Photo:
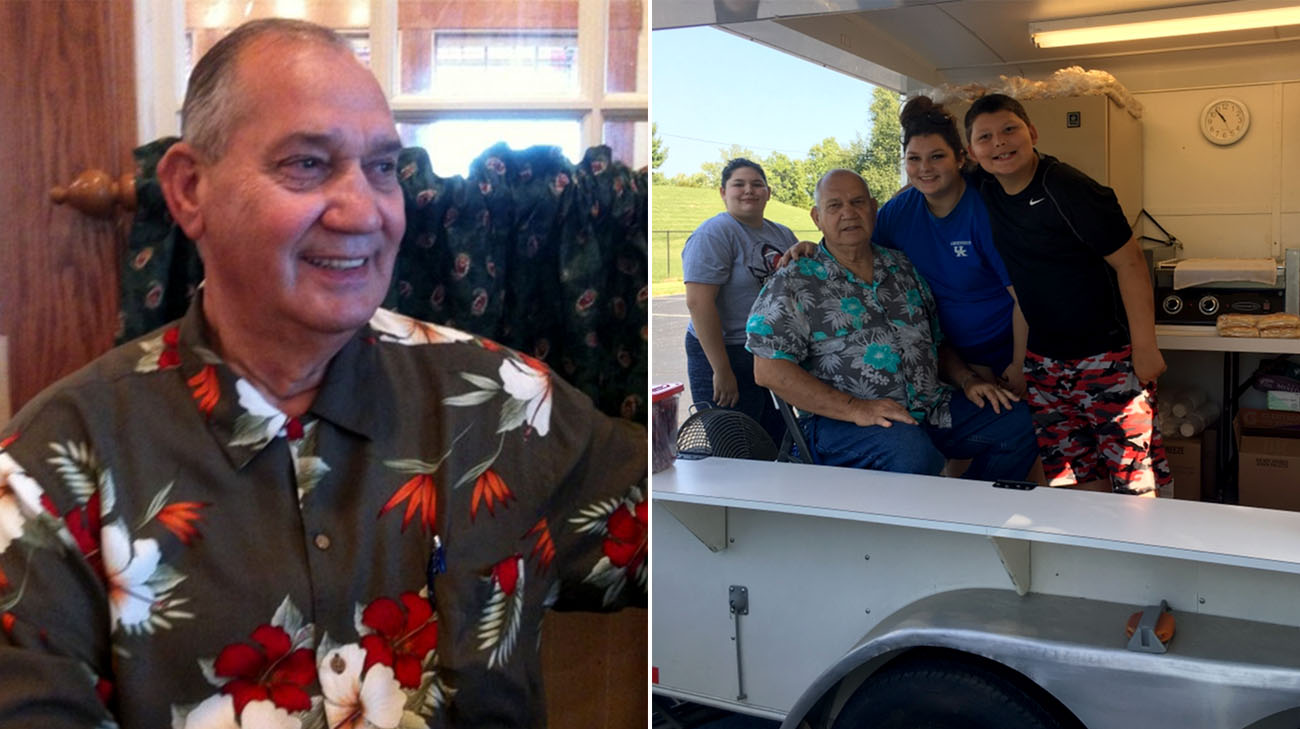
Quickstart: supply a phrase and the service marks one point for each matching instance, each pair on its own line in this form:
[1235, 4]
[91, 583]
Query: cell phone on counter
[1004, 483]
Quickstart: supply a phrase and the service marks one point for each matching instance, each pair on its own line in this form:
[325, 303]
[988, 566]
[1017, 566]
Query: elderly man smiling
[849, 334]
[291, 509]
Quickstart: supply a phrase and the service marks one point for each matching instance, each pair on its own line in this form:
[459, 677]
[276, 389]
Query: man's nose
[353, 205]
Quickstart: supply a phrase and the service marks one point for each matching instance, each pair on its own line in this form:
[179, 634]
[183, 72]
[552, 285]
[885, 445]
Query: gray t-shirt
[725, 252]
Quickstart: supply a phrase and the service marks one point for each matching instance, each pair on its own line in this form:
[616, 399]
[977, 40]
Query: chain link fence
[666, 251]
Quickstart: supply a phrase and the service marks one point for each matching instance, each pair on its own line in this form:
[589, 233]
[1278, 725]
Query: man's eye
[303, 166]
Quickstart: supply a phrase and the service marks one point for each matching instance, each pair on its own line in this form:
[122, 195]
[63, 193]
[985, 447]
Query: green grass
[667, 287]
[677, 211]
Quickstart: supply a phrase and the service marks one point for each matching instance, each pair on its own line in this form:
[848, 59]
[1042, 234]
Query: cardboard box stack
[1268, 470]
[1193, 463]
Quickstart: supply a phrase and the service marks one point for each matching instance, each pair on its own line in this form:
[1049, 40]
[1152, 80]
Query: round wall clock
[1224, 121]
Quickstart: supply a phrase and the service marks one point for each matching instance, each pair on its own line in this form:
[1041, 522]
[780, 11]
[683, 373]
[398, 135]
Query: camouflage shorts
[1095, 421]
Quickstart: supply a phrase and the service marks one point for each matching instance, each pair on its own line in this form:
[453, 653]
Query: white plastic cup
[1188, 401]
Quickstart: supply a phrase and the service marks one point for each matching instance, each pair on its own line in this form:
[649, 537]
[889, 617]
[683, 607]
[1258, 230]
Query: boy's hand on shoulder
[1148, 364]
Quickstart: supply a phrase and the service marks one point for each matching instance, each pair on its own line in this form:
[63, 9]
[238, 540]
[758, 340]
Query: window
[454, 143]
[460, 74]
[523, 64]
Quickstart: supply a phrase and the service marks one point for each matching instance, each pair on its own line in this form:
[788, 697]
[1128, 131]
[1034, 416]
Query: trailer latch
[1151, 629]
[738, 602]
[738, 599]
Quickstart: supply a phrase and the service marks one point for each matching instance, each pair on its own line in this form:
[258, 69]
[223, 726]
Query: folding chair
[794, 447]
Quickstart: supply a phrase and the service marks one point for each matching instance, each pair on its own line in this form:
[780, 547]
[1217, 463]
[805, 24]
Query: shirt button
[322, 541]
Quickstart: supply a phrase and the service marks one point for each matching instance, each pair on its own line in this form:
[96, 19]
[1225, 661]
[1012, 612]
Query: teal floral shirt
[873, 340]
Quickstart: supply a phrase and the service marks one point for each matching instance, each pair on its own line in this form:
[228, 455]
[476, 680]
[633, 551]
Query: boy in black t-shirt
[1082, 282]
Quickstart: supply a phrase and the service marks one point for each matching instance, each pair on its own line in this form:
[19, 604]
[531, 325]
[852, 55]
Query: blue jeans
[1000, 445]
[754, 401]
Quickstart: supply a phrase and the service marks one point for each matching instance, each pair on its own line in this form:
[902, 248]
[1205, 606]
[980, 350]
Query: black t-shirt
[1053, 237]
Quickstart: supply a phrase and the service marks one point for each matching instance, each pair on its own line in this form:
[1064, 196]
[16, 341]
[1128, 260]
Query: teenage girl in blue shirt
[941, 223]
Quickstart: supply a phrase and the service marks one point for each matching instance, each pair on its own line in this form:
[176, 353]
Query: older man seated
[850, 334]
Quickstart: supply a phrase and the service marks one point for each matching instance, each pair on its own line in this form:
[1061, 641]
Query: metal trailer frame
[778, 589]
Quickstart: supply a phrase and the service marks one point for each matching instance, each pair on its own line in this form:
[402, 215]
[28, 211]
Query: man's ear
[1033, 134]
[178, 175]
[813, 212]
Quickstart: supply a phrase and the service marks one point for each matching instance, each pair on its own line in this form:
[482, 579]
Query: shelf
[1190, 337]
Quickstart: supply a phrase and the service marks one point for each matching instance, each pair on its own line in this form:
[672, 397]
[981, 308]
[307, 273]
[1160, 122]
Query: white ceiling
[915, 44]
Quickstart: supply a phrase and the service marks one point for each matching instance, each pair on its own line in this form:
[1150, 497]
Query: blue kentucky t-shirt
[956, 256]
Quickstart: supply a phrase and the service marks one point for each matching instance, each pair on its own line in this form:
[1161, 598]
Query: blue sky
[717, 87]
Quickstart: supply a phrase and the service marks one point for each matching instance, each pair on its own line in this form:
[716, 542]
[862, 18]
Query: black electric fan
[722, 432]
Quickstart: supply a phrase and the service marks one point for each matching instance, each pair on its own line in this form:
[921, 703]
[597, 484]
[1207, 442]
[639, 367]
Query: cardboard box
[1192, 461]
[1282, 400]
[1278, 423]
[1268, 472]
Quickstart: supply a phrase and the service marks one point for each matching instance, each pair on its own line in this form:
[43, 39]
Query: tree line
[877, 158]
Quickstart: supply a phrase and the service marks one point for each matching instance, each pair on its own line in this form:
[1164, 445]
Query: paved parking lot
[668, 319]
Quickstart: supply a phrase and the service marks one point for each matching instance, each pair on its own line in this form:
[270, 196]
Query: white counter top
[1202, 532]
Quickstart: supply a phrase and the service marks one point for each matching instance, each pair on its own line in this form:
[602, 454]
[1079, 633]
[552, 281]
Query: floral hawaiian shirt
[174, 551]
[876, 340]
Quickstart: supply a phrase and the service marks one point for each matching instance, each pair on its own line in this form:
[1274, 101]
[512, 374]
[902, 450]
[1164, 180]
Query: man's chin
[335, 317]
[854, 238]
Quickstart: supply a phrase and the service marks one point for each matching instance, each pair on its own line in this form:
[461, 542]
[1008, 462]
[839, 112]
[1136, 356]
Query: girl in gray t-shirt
[724, 264]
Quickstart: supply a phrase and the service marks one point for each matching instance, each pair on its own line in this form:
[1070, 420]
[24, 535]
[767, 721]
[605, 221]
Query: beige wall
[1241, 200]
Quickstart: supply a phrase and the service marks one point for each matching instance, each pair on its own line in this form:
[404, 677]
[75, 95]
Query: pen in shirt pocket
[437, 565]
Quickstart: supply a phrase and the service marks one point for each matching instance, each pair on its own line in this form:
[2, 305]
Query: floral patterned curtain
[542, 255]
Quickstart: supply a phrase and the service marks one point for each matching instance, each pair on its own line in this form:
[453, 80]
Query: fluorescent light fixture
[1186, 20]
